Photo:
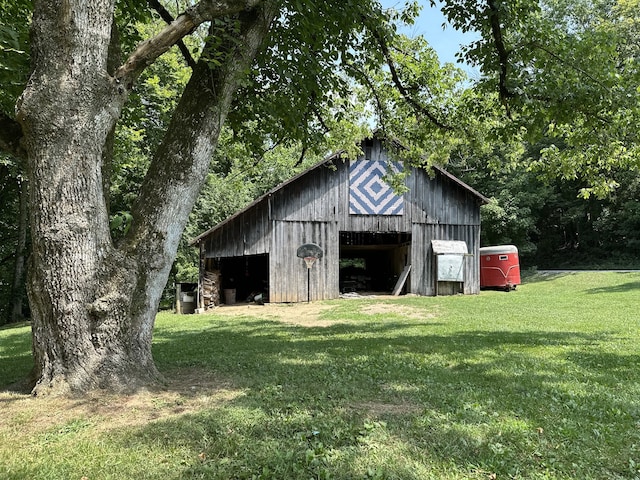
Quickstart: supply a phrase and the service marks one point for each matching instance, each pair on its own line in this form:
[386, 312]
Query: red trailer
[499, 267]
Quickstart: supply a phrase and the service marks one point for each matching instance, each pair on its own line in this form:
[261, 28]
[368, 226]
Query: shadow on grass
[543, 276]
[622, 288]
[392, 400]
[13, 326]
[498, 402]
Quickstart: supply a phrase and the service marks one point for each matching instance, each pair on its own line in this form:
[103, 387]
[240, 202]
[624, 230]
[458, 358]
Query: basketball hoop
[309, 261]
[309, 252]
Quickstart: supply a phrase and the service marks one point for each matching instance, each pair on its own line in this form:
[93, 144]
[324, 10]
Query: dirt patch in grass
[186, 391]
[303, 314]
[310, 314]
[395, 309]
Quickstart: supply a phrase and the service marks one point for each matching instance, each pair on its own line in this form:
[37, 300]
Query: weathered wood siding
[288, 273]
[439, 200]
[248, 233]
[312, 197]
[423, 275]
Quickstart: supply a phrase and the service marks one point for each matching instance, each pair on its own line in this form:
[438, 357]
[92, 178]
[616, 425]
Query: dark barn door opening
[372, 262]
[248, 275]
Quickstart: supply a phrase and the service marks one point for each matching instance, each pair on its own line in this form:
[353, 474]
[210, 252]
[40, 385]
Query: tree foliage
[14, 51]
[567, 71]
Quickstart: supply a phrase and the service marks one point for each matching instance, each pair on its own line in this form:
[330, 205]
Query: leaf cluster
[302, 85]
[566, 71]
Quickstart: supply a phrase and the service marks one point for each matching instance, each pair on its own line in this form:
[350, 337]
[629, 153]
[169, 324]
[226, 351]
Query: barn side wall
[249, 233]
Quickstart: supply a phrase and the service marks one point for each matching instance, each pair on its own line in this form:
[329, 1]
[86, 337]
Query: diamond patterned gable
[369, 194]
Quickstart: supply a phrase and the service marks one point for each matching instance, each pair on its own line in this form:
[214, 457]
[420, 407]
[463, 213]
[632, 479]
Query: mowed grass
[540, 383]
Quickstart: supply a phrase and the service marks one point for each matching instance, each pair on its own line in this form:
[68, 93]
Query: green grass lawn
[540, 383]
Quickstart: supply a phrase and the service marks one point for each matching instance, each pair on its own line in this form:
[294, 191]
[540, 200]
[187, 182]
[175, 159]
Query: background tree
[567, 71]
[14, 47]
[13, 241]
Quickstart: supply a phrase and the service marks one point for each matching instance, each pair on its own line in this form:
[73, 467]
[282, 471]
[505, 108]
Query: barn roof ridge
[330, 158]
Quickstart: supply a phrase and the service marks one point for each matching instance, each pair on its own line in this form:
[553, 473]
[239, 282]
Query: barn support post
[178, 298]
[199, 291]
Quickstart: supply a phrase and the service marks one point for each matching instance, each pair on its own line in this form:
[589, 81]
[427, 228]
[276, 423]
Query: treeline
[554, 227]
[13, 243]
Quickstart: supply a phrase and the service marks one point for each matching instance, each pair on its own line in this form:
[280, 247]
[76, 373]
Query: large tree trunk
[94, 303]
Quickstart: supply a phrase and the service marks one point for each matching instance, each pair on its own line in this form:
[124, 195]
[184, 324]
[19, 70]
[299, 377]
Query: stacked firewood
[211, 289]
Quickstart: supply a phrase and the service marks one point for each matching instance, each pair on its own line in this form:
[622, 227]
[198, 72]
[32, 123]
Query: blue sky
[446, 42]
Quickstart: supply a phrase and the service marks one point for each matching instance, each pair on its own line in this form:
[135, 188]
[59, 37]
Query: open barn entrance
[247, 276]
[372, 262]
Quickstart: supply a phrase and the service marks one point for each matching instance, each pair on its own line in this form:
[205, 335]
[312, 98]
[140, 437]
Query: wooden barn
[424, 241]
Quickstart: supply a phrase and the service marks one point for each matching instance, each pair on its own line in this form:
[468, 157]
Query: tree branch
[258, 157]
[179, 165]
[503, 53]
[384, 47]
[572, 65]
[372, 88]
[10, 135]
[167, 17]
[317, 113]
[301, 157]
[148, 51]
